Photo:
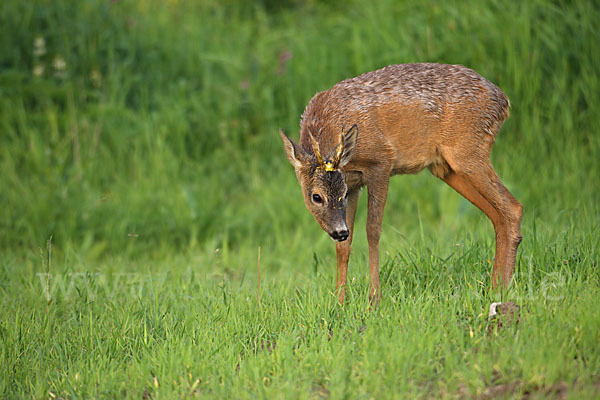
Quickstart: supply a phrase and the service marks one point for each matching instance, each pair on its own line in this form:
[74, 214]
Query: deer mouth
[340, 235]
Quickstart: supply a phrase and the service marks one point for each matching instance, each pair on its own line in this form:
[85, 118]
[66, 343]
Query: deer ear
[294, 153]
[350, 140]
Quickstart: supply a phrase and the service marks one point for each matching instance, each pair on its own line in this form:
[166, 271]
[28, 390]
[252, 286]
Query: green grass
[139, 180]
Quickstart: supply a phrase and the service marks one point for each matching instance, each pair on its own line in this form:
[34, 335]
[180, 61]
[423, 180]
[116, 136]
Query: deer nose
[340, 235]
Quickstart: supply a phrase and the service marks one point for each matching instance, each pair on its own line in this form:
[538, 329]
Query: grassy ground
[142, 170]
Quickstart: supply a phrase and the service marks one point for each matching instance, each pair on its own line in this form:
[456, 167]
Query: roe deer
[400, 120]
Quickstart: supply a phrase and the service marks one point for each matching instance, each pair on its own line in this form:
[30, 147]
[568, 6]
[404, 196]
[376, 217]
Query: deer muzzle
[340, 234]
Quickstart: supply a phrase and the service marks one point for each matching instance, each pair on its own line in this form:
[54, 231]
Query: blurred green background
[141, 169]
[150, 127]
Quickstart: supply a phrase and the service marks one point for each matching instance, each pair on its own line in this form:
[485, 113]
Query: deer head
[325, 192]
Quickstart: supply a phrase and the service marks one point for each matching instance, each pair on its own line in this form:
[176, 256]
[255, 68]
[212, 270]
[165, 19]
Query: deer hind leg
[343, 248]
[483, 188]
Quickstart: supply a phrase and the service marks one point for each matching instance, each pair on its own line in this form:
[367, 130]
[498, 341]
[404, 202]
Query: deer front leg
[377, 196]
[343, 248]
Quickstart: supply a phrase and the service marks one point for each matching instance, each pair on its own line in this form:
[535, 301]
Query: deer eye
[346, 195]
[317, 199]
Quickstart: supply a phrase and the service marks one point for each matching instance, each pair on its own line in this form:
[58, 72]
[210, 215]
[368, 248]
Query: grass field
[142, 171]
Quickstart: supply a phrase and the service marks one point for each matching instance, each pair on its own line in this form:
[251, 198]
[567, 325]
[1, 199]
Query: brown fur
[409, 117]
